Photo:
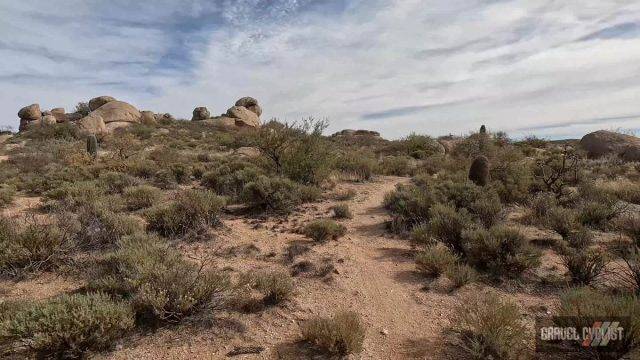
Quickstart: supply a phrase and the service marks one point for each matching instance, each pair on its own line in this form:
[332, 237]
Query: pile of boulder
[244, 114]
[359, 133]
[608, 143]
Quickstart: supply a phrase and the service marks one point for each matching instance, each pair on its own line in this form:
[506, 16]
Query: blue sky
[551, 68]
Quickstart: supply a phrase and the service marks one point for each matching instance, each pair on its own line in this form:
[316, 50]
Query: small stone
[384, 332]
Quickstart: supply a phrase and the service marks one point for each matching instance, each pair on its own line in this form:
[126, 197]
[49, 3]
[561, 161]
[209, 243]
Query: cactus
[483, 129]
[92, 146]
[479, 171]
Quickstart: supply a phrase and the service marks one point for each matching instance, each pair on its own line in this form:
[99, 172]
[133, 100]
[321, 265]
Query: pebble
[384, 332]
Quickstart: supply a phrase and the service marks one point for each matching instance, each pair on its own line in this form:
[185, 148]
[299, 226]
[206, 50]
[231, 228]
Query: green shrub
[345, 195]
[598, 214]
[541, 204]
[324, 230]
[435, 260]
[35, 247]
[447, 225]
[395, 165]
[582, 306]
[584, 265]
[161, 285]
[65, 327]
[143, 168]
[75, 195]
[488, 210]
[501, 251]
[420, 234]
[357, 166]
[115, 182]
[100, 226]
[141, 196]
[409, 205]
[561, 220]
[275, 287]
[279, 195]
[490, 328]
[7, 193]
[461, 274]
[512, 181]
[191, 210]
[342, 211]
[342, 334]
[421, 146]
[229, 180]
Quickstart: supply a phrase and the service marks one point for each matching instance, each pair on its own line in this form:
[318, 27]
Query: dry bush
[561, 220]
[490, 328]
[141, 196]
[420, 146]
[345, 195]
[461, 274]
[512, 181]
[500, 251]
[67, 326]
[279, 195]
[584, 265]
[324, 230]
[191, 210]
[100, 226]
[342, 211]
[33, 247]
[420, 234]
[343, 333]
[446, 225]
[409, 205]
[7, 194]
[557, 170]
[435, 260]
[229, 179]
[396, 166]
[584, 305]
[115, 182]
[357, 166]
[629, 252]
[161, 285]
[274, 288]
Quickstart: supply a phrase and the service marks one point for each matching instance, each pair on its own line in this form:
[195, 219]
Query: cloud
[395, 66]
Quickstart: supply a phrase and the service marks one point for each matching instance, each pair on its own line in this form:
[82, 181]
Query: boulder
[59, 114]
[222, 122]
[351, 132]
[112, 126]
[164, 117]
[602, 143]
[200, 113]
[251, 104]
[148, 118]
[244, 116]
[97, 102]
[117, 111]
[73, 116]
[31, 112]
[92, 125]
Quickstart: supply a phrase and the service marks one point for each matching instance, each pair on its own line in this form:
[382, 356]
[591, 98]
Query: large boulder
[251, 104]
[358, 133]
[200, 113]
[31, 112]
[117, 111]
[48, 120]
[244, 117]
[148, 118]
[602, 143]
[92, 125]
[97, 102]
[222, 122]
[59, 114]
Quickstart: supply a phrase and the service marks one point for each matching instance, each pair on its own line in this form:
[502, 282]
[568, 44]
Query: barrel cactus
[483, 129]
[92, 146]
[479, 171]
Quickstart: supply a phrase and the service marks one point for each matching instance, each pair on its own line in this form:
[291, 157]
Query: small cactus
[483, 129]
[479, 171]
[92, 146]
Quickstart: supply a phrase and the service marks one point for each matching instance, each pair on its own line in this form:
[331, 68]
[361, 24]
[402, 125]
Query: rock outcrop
[200, 113]
[251, 104]
[110, 116]
[59, 114]
[244, 117]
[351, 132]
[604, 143]
[97, 102]
[28, 115]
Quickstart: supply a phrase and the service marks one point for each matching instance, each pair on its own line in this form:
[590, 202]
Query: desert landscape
[128, 234]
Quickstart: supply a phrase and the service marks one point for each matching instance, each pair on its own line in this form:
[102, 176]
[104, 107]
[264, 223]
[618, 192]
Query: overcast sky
[547, 67]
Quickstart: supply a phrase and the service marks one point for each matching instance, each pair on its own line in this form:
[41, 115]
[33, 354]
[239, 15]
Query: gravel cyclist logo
[566, 334]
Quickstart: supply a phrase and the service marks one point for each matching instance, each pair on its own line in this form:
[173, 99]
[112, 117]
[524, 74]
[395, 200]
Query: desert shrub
[141, 196]
[421, 146]
[557, 170]
[435, 260]
[230, 179]
[420, 234]
[584, 265]
[67, 326]
[274, 287]
[115, 182]
[160, 284]
[561, 220]
[582, 306]
[143, 168]
[409, 205]
[598, 214]
[34, 247]
[63, 131]
[277, 194]
[395, 165]
[490, 327]
[77, 194]
[83, 108]
[192, 209]
[102, 227]
[500, 251]
[474, 145]
[164, 179]
[541, 204]
[628, 191]
[580, 239]
[342, 334]
[512, 181]
[356, 166]
[629, 251]
[487, 209]
[7, 193]
[324, 230]
[460, 274]
[342, 211]
[447, 224]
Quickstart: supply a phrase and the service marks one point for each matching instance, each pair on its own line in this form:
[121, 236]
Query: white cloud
[395, 66]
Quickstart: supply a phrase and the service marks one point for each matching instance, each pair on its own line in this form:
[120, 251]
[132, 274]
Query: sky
[550, 68]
